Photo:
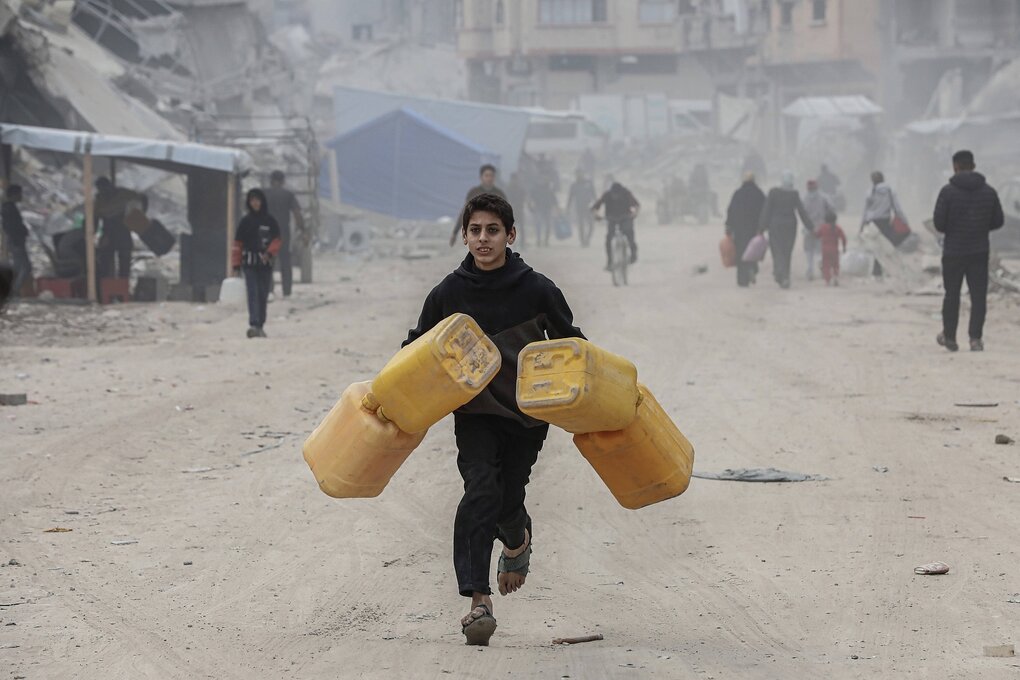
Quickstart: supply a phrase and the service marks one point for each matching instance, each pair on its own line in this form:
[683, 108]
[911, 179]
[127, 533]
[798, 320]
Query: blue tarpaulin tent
[404, 165]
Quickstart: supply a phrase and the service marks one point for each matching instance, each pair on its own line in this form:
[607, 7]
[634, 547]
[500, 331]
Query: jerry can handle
[370, 403]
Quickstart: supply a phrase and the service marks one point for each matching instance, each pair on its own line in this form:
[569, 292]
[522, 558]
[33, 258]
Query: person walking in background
[882, 208]
[817, 206]
[486, 185]
[699, 187]
[830, 236]
[621, 209]
[966, 210]
[16, 234]
[543, 207]
[282, 205]
[112, 205]
[256, 243]
[579, 200]
[742, 217]
[779, 219]
[828, 184]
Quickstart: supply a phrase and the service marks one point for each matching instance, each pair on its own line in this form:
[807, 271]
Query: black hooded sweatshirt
[257, 234]
[966, 210]
[515, 306]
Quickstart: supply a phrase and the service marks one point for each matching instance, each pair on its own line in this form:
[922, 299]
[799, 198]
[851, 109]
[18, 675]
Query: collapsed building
[189, 70]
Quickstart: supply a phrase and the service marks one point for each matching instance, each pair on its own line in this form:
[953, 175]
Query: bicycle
[619, 253]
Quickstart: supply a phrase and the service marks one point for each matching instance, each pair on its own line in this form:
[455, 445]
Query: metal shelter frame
[170, 156]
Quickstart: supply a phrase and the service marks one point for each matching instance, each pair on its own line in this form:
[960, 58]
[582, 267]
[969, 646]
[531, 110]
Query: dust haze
[780, 276]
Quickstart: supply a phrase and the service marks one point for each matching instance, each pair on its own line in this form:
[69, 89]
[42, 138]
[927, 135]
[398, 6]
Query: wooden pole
[334, 178]
[90, 227]
[231, 218]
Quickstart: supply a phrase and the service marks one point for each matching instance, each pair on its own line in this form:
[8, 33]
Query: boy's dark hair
[830, 216]
[14, 192]
[964, 159]
[484, 168]
[877, 177]
[488, 203]
[277, 176]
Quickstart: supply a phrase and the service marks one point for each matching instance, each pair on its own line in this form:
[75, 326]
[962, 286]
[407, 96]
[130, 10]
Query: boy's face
[487, 239]
[488, 178]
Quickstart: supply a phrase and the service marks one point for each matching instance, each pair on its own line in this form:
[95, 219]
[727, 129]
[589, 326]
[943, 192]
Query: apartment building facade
[548, 52]
[956, 43]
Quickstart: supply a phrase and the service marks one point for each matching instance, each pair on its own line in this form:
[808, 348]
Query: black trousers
[115, 242]
[954, 270]
[627, 227]
[495, 456]
[22, 268]
[781, 240]
[258, 281]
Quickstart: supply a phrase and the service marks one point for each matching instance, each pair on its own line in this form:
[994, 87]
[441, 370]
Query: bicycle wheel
[620, 259]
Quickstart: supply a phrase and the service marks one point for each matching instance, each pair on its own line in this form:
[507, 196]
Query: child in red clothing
[831, 235]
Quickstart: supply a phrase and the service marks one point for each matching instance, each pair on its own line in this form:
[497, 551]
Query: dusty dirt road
[163, 426]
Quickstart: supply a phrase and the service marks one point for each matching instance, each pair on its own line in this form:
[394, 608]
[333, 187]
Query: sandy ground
[163, 426]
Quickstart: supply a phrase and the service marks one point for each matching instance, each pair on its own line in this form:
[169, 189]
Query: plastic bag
[856, 263]
[756, 249]
[561, 227]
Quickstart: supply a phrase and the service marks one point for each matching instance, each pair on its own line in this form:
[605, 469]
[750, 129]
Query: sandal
[481, 628]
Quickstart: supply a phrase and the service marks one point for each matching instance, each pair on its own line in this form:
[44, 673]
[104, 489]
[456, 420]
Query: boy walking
[497, 444]
[256, 243]
[830, 236]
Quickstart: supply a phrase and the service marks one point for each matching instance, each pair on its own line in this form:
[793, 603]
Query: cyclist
[621, 209]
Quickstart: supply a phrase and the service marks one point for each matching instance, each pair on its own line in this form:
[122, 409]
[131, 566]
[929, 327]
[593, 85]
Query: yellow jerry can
[436, 374]
[577, 386]
[648, 461]
[353, 453]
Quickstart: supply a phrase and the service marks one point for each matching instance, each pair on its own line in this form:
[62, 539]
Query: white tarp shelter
[166, 155]
[832, 107]
[156, 152]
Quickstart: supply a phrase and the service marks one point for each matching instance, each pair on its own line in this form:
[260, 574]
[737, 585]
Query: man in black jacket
[497, 444]
[17, 235]
[967, 209]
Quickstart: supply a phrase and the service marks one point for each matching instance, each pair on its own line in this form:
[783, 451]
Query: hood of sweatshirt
[504, 277]
[257, 193]
[968, 181]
